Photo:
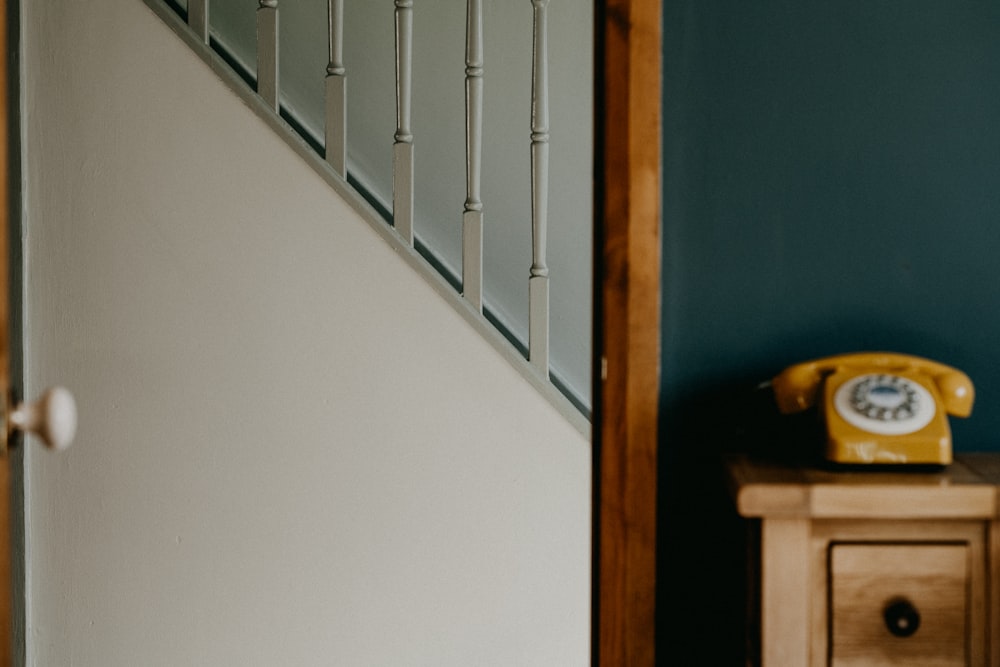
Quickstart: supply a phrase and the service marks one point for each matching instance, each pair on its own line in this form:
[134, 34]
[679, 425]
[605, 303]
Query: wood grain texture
[785, 618]
[866, 578]
[771, 489]
[830, 562]
[993, 597]
[914, 533]
[627, 319]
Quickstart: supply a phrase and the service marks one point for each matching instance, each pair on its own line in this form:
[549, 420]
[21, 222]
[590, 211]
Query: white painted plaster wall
[291, 451]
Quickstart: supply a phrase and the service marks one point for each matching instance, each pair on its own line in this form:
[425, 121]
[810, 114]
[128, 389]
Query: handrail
[331, 163]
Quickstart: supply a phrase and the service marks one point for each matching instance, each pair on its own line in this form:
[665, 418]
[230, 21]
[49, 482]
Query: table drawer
[899, 604]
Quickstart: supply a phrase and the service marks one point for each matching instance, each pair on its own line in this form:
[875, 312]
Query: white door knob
[52, 418]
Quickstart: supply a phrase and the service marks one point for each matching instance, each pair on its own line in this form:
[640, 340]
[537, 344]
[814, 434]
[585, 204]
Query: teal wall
[831, 184]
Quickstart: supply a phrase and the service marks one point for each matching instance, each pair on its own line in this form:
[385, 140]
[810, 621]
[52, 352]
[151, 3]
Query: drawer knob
[901, 617]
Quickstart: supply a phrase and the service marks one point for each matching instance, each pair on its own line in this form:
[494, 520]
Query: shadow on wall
[702, 542]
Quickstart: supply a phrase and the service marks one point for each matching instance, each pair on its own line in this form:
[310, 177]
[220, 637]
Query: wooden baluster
[538, 283]
[402, 149]
[198, 18]
[267, 52]
[472, 218]
[336, 91]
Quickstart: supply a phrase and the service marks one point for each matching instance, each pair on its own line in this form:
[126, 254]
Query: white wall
[291, 451]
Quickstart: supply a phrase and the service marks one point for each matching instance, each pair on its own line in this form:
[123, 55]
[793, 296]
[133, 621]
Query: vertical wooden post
[627, 326]
[336, 91]
[993, 601]
[198, 18]
[472, 218]
[267, 52]
[402, 148]
[538, 283]
[785, 613]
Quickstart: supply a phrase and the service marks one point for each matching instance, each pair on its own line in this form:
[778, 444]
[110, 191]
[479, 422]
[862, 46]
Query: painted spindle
[198, 18]
[472, 218]
[402, 148]
[538, 283]
[336, 91]
[267, 52]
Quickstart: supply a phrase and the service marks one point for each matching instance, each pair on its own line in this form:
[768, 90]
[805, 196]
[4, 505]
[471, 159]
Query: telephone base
[914, 468]
[930, 446]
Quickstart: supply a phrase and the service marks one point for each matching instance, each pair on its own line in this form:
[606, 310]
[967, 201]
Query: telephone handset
[879, 407]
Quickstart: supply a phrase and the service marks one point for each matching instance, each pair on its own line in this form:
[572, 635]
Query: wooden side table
[873, 568]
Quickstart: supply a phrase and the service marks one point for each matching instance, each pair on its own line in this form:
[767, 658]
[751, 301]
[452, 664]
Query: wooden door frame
[628, 36]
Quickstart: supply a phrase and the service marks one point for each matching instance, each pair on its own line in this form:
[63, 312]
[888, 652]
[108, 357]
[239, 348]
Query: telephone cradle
[879, 407]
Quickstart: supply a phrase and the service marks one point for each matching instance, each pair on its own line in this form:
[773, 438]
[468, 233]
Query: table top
[969, 488]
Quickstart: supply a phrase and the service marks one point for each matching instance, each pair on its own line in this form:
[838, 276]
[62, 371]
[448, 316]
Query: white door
[53, 417]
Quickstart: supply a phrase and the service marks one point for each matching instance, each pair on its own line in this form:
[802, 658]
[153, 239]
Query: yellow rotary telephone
[879, 407]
